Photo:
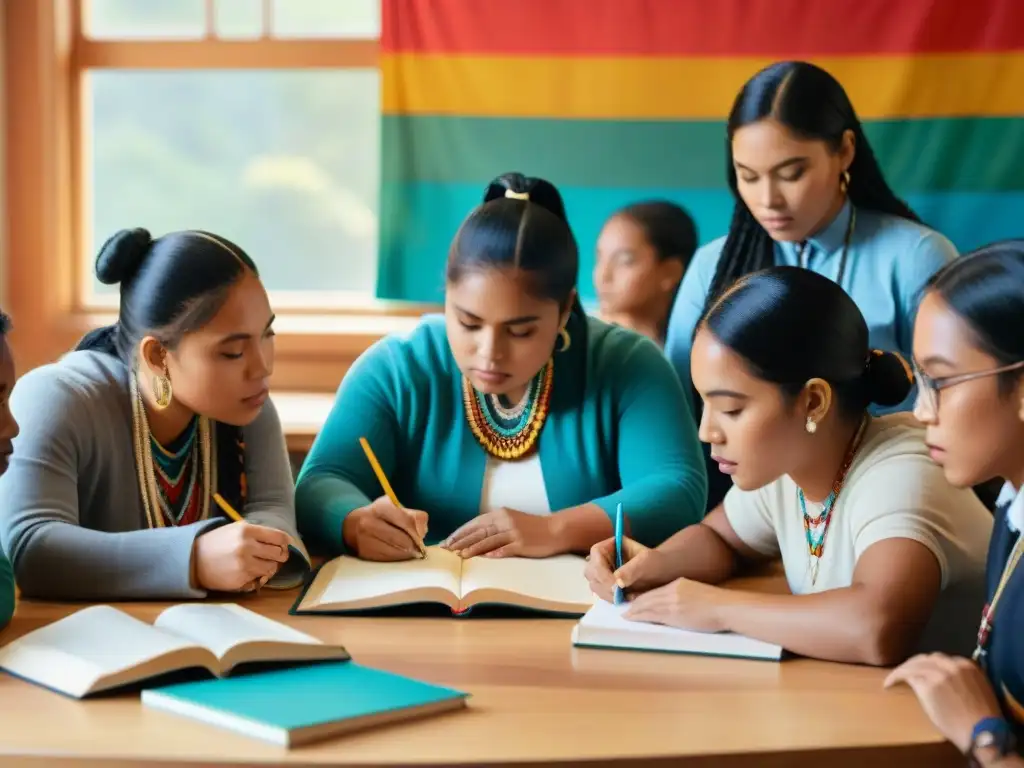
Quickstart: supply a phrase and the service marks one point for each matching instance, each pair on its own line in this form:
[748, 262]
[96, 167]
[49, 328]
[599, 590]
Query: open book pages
[101, 647]
[554, 584]
[605, 627]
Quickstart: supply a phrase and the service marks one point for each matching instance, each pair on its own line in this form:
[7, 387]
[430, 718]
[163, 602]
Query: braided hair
[812, 104]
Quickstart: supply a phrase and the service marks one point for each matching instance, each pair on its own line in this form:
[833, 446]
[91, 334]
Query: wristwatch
[991, 734]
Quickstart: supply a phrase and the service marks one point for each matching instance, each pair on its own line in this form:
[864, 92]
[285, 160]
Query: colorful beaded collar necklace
[165, 501]
[509, 433]
[816, 528]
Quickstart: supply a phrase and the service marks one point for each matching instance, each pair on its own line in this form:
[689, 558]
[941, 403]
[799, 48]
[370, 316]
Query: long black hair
[170, 287]
[791, 325]
[983, 288]
[813, 105]
[522, 225]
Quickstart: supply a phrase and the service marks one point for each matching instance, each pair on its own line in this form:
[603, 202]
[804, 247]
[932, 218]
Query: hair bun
[537, 191]
[122, 255]
[889, 379]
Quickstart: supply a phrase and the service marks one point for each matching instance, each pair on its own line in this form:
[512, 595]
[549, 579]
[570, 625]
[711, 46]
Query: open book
[99, 648]
[553, 584]
[604, 627]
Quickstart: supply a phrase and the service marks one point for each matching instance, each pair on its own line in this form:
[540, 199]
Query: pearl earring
[812, 426]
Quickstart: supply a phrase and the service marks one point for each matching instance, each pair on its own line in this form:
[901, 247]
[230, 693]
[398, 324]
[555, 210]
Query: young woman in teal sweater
[513, 425]
[8, 431]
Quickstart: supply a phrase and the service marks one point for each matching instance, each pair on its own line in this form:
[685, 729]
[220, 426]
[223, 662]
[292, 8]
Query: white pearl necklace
[513, 413]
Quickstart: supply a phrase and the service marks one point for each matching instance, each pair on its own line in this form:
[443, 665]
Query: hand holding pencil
[384, 529]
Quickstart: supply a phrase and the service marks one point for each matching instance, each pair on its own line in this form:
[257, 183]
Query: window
[256, 119]
[284, 160]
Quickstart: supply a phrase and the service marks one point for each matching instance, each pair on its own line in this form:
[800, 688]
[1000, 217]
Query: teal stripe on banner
[926, 155]
[419, 221]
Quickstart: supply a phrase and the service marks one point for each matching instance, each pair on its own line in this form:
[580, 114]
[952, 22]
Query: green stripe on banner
[418, 222]
[916, 154]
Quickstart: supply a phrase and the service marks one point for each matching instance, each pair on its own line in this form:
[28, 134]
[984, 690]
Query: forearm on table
[701, 554]
[63, 561]
[844, 625]
[577, 529]
[322, 502]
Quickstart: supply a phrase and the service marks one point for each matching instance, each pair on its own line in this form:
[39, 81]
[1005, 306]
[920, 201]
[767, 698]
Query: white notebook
[603, 626]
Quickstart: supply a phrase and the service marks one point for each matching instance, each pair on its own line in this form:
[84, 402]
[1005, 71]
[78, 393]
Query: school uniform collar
[828, 240]
[1015, 513]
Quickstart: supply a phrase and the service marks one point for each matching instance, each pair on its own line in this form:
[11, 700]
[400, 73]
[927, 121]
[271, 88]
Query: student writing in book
[969, 355]
[126, 440]
[8, 431]
[513, 424]
[883, 556]
[809, 192]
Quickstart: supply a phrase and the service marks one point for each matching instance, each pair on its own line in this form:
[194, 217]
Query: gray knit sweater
[71, 515]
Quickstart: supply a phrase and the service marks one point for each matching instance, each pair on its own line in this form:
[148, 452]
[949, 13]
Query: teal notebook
[303, 704]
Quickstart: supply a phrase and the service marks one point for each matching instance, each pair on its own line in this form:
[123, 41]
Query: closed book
[298, 705]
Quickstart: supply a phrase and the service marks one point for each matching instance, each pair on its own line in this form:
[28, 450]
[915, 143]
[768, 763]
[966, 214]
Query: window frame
[44, 278]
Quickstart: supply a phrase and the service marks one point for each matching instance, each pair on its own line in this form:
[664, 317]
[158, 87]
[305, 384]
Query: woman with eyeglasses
[969, 361]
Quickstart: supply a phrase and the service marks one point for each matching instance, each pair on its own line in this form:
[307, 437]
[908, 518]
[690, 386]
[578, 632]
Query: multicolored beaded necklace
[170, 479]
[509, 433]
[816, 528]
[988, 615]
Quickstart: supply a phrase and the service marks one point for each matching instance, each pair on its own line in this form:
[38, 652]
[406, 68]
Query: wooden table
[535, 700]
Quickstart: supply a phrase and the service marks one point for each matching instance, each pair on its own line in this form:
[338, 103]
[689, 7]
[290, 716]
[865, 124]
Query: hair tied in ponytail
[517, 195]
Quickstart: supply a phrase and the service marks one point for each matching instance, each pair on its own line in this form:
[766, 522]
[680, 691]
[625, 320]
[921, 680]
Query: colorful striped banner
[618, 100]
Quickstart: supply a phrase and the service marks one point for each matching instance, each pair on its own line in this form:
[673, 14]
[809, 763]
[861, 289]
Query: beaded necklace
[159, 502]
[509, 433]
[989, 613]
[821, 522]
[177, 473]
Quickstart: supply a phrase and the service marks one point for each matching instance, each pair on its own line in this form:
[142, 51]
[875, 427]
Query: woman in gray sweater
[139, 448]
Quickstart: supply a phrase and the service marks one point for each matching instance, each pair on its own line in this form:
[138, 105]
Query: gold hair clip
[219, 242]
[517, 195]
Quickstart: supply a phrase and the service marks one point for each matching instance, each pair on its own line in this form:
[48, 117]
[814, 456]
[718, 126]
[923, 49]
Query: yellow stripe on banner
[690, 88]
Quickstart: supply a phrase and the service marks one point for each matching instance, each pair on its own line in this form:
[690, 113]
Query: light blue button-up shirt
[888, 263]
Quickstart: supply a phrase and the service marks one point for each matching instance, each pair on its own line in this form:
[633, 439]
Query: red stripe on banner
[774, 28]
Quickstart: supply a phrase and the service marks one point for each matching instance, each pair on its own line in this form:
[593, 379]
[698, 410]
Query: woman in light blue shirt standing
[809, 192]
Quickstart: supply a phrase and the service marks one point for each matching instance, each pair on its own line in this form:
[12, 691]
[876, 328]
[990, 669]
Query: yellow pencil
[230, 512]
[228, 509]
[383, 480]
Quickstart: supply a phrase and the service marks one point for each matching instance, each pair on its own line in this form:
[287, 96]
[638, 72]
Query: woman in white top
[878, 548]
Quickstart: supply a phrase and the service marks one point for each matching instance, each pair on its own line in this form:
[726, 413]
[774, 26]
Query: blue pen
[620, 596]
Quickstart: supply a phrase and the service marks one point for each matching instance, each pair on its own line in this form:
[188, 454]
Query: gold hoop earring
[566, 339]
[844, 182]
[811, 426]
[162, 392]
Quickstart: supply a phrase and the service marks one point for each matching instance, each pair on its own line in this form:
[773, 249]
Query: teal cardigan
[620, 429]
